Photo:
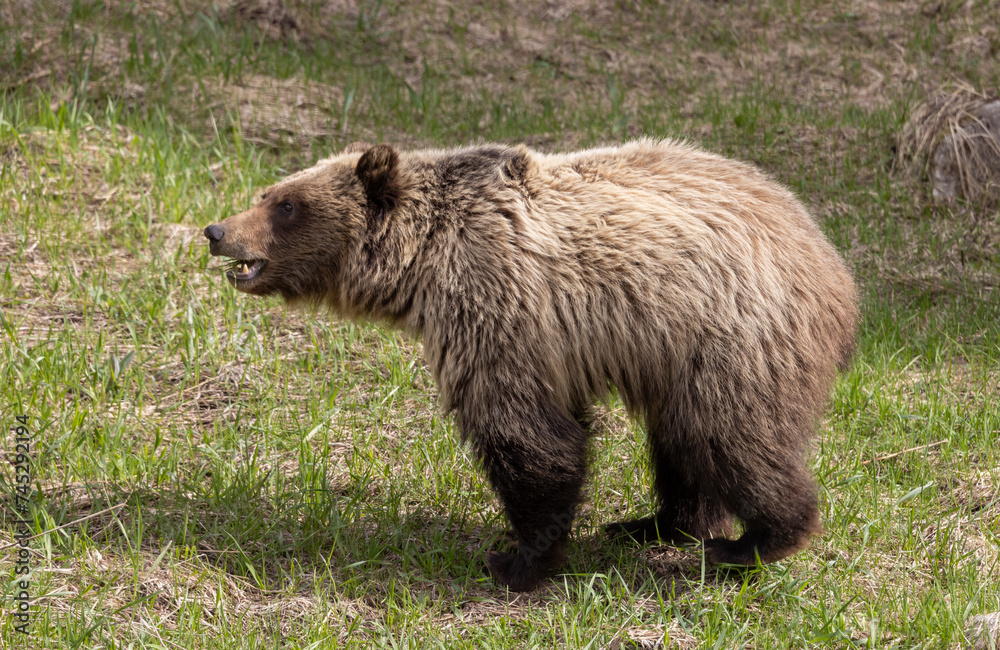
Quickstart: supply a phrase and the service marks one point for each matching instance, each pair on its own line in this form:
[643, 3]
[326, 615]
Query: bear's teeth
[245, 269]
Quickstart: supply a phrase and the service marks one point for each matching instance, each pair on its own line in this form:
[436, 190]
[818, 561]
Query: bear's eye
[286, 207]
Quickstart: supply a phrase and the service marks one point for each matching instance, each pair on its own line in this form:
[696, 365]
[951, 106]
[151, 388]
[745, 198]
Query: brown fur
[694, 284]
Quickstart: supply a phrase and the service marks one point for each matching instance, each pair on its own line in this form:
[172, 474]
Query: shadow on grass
[357, 548]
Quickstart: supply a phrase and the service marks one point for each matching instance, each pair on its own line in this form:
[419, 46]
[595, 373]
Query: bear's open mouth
[244, 270]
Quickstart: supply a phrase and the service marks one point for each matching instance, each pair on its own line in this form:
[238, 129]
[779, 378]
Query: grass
[267, 478]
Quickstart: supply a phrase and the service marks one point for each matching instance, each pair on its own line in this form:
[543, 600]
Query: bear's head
[295, 240]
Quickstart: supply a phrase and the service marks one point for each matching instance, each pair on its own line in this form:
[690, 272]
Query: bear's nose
[215, 233]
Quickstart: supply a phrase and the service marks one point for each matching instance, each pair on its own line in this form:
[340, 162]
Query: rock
[966, 162]
[984, 632]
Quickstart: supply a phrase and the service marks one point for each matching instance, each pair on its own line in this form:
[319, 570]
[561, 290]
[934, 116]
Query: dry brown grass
[948, 138]
[273, 17]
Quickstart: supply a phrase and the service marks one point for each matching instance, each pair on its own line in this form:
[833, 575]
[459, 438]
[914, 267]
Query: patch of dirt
[654, 637]
[271, 110]
[669, 562]
[979, 493]
[273, 17]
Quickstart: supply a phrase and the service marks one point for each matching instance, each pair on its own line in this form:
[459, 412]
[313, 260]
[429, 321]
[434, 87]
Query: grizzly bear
[698, 287]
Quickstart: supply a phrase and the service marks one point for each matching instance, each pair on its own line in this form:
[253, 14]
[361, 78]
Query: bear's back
[640, 254]
[614, 263]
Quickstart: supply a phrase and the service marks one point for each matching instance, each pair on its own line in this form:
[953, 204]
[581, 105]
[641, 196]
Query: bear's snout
[215, 233]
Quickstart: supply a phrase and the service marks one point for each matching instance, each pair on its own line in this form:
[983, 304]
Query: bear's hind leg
[688, 510]
[775, 497]
[535, 457]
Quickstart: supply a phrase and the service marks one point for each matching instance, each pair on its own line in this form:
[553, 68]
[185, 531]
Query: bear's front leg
[535, 457]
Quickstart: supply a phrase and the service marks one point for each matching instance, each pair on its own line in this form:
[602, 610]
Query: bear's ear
[377, 170]
[517, 167]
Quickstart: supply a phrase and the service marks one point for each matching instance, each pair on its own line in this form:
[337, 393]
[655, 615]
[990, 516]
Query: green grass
[285, 479]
